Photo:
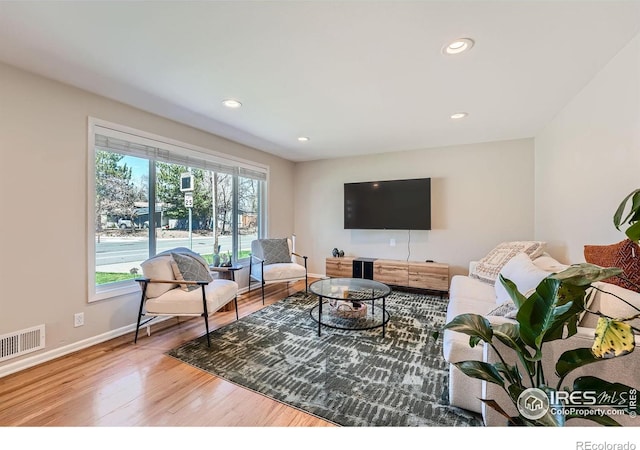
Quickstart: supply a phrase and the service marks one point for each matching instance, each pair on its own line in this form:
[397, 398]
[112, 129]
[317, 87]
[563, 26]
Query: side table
[226, 273]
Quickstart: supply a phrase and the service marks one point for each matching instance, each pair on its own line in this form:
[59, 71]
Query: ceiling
[356, 77]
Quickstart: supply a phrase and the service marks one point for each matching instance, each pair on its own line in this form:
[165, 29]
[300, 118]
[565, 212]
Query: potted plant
[550, 313]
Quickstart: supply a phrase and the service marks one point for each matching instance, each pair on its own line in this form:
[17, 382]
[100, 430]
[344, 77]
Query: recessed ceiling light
[230, 103]
[459, 115]
[458, 46]
[303, 139]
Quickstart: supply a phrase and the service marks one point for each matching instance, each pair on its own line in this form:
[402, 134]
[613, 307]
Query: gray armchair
[273, 261]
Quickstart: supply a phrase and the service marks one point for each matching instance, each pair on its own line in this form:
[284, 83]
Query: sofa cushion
[624, 255]
[465, 305]
[158, 268]
[463, 287]
[188, 268]
[283, 271]
[489, 267]
[522, 271]
[609, 303]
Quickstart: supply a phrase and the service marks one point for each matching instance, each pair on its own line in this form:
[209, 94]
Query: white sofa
[470, 295]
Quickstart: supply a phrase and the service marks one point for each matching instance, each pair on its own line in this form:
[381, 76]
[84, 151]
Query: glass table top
[343, 288]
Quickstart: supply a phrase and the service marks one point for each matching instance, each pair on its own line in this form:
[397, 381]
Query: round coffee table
[350, 304]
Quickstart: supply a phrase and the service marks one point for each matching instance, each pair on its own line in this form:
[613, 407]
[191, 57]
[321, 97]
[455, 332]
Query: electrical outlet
[392, 242]
[78, 319]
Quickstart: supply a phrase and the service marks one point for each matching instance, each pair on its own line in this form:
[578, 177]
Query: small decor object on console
[341, 253]
[335, 252]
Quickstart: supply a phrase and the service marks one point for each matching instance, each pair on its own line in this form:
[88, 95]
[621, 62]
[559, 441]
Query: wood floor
[119, 383]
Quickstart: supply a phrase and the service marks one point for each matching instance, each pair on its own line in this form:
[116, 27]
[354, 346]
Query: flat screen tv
[390, 205]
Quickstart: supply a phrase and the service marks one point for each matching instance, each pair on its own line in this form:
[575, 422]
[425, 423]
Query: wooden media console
[413, 274]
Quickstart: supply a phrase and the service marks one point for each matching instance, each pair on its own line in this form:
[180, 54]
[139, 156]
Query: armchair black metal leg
[235, 301]
[206, 315]
[250, 272]
[144, 293]
[262, 279]
[306, 279]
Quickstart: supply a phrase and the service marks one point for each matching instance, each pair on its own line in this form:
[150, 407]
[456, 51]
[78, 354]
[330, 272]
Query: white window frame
[103, 127]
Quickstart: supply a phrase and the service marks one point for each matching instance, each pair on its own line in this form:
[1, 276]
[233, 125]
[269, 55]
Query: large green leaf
[572, 359]
[512, 290]
[566, 324]
[473, 325]
[481, 371]
[509, 334]
[583, 274]
[537, 313]
[557, 320]
[510, 373]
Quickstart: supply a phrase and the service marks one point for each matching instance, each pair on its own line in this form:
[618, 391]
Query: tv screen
[390, 205]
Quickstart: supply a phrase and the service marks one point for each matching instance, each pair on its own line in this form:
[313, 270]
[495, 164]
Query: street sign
[188, 199]
[186, 182]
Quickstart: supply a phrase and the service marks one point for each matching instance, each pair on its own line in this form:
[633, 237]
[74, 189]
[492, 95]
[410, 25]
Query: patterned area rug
[350, 378]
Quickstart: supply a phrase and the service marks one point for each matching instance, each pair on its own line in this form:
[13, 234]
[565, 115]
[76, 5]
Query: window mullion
[234, 218]
[152, 208]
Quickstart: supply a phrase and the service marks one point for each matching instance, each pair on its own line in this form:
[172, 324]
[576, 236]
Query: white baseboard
[40, 358]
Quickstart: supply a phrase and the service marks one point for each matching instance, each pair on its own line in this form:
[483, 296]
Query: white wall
[588, 160]
[482, 194]
[43, 198]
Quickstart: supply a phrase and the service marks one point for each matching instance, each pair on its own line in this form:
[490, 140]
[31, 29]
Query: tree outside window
[123, 225]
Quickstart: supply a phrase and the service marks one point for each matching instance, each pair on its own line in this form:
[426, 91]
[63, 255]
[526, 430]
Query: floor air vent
[21, 342]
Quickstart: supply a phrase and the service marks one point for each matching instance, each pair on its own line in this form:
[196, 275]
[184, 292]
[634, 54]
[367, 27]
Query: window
[142, 204]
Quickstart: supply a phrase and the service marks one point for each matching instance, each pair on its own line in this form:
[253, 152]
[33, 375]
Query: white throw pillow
[524, 273]
[489, 267]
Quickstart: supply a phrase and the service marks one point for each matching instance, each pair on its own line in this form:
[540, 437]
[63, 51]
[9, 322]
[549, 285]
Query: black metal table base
[351, 324]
